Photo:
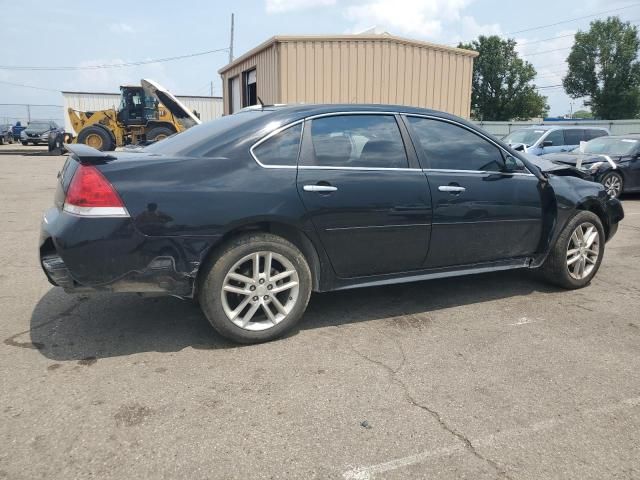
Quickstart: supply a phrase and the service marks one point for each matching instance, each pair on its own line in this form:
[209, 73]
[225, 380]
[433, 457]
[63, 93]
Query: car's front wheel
[257, 288]
[613, 184]
[575, 258]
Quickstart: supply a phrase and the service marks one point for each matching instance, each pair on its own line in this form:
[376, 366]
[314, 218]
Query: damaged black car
[251, 213]
[612, 161]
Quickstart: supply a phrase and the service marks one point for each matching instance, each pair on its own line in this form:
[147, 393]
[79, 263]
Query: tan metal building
[350, 69]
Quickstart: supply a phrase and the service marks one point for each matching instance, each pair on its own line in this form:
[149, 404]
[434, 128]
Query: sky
[81, 34]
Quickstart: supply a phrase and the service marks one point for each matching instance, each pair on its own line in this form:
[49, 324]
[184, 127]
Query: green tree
[502, 87]
[603, 66]
[582, 114]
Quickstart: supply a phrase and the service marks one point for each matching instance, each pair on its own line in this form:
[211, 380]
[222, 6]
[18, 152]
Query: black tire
[89, 136]
[159, 133]
[613, 183]
[210, 289]
[555, 269]
[23, 142]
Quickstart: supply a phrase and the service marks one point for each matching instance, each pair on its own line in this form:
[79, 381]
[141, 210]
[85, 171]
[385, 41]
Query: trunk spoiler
[87, 154]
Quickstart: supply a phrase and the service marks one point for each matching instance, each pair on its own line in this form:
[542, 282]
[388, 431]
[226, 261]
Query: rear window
[280, 149]
[196, 137]
[591, 134]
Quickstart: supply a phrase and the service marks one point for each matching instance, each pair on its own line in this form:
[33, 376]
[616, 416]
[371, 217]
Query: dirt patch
[132, 414]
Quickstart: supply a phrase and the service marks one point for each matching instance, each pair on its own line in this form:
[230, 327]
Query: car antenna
[261, 103]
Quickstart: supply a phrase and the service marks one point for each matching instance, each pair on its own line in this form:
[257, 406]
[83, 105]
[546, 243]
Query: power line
[548, 86]
[565, 36]
[547, 51]
[30, 104]
[29, 86]
[552, 66]
[573, 19]
[110, 65]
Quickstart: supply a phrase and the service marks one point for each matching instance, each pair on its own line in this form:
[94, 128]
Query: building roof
[117, 94]
[384, 37]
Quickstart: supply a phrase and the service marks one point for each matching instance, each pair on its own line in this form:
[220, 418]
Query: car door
[558, 143]
[480, 212]
[370, 207]
[632, 177]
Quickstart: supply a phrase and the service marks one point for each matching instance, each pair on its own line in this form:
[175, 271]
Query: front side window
[556, 137]
[361, 141]
[451, 147]
[527, 136]
[281, 148]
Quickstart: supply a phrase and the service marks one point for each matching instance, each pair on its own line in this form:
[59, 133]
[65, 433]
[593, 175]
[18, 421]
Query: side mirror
[547, 143]
[511, 164]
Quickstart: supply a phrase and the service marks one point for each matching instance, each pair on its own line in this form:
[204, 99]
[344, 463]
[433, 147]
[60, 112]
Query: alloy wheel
[613, 185]
[583, 250]
[260, 290]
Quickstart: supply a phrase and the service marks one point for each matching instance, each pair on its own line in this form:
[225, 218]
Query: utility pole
[212, 88]
[28, 113]
[231, 42]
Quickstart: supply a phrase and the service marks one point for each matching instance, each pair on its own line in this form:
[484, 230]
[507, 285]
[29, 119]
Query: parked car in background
[17, 130]
[539, 140]
[6, 136]
[38, 131]
[613, 161]
[252, 212]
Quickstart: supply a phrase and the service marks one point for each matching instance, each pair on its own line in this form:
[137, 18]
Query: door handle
[319, 188]
[451, 189]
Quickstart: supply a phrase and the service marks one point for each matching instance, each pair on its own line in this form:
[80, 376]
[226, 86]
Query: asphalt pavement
[494, 376]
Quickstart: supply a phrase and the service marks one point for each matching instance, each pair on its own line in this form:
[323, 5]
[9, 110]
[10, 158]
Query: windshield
[39, 126]
[528, 136]
[610, 146]
[195, 136]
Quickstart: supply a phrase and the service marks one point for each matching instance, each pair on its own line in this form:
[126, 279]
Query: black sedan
[612, 161]
[252, 212]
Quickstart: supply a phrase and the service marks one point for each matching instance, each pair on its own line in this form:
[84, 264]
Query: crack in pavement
[392, 373]
[12, 342]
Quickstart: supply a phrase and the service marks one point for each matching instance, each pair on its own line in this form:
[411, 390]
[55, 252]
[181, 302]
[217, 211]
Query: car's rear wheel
[257, 288]
[613, 184]
[25, 143]
[575, 258]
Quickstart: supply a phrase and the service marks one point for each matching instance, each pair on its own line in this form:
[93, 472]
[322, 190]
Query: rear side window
[573, 136]
[556, 137]
[280, 149]
[452, 147]
[591, 134]
[361, 141]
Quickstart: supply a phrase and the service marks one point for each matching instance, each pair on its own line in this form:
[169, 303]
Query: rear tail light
[90, 194]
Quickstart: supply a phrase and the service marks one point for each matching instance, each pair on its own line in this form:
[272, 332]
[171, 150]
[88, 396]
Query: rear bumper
[83, 254]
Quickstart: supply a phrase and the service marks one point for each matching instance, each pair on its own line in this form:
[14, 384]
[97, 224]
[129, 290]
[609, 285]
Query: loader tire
[97, 137]
[159, 133]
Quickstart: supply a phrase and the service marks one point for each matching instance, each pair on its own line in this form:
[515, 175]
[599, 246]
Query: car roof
[299, 111]
[562, 127]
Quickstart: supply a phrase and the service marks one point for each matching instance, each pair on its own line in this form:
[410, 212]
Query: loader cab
[136, 108]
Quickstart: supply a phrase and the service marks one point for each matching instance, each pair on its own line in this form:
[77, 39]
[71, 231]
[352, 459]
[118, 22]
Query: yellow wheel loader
[147, 113]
